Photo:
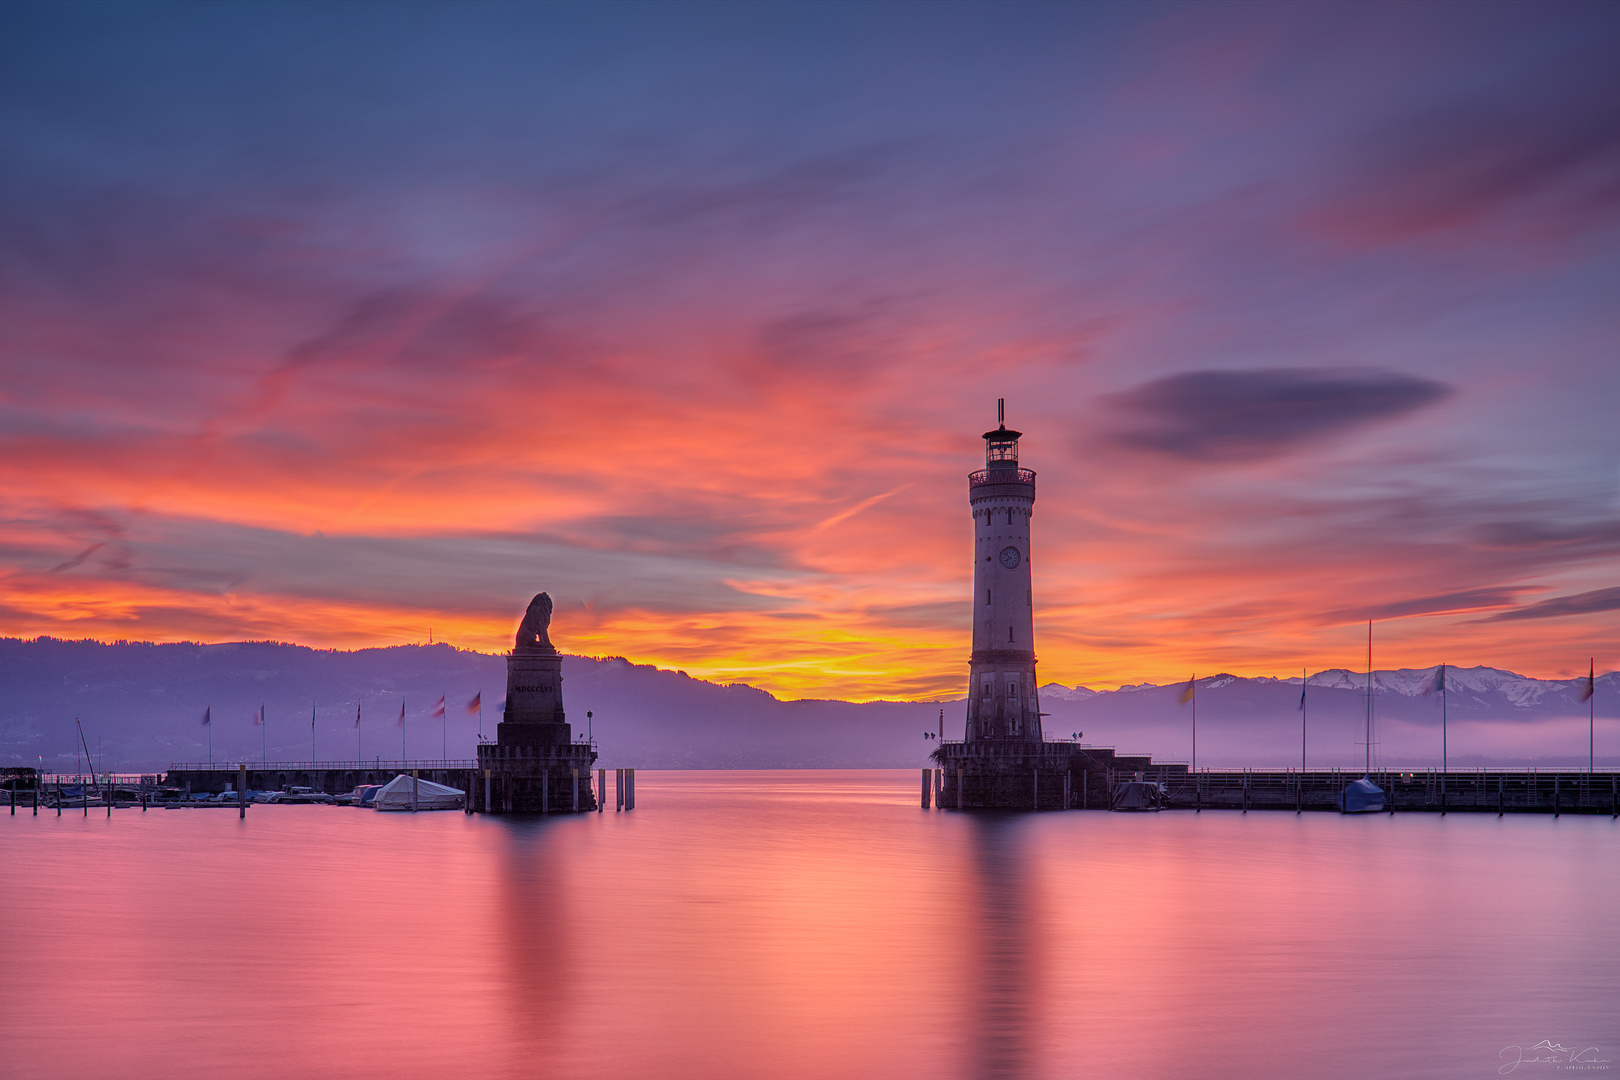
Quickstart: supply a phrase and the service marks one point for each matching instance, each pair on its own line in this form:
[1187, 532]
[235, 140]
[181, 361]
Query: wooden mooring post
[629, 789]
[601, 790]
[241, 790]
[927, 780]
[576, 791]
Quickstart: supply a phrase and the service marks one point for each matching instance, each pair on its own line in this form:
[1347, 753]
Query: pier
[1074, 776]
[327, 777]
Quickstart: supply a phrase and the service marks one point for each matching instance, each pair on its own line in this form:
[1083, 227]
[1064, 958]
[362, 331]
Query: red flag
[476, 703]
[1591, 686]
[402, 713]
[357, 714]
[438, 708]
[258, 716]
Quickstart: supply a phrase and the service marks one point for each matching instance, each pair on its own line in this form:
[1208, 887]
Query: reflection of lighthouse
[1002, 700]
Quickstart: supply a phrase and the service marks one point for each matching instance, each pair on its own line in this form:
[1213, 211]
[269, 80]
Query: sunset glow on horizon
[342, 326]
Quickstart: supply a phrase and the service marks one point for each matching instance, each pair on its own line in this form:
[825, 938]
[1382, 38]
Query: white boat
[413, 793]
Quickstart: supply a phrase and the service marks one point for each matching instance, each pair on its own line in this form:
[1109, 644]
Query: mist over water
[802, 925]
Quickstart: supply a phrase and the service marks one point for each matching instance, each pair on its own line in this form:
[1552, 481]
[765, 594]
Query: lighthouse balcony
[1001, 476]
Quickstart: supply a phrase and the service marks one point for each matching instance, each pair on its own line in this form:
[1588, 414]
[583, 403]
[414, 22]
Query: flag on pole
[476, 703]
[1186, 694]
[208, 716]
[258, 716]
[1302, 695]
[438, 709]
[1591, 687]
[1439, 683]
[357, 714]
[402, 712]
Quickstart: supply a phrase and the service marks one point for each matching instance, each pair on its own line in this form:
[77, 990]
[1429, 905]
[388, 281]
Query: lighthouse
[1004, 760]
[1002, 700]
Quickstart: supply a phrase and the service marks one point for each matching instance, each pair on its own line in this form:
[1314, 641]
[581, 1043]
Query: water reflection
[800, 926]
[535, 946]
[1000, 1006]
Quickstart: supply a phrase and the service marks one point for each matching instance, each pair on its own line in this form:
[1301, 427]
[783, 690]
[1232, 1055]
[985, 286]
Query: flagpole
[264, 722]
[1304, 685]
[1591, 716]
[1192, 690]
[444, 726]
[359, 756]
[314, 754]
[1444, 760]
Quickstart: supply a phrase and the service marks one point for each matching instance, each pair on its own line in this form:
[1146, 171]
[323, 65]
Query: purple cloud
[1260, 414]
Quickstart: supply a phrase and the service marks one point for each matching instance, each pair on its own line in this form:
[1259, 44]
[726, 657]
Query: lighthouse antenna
[1001, 411]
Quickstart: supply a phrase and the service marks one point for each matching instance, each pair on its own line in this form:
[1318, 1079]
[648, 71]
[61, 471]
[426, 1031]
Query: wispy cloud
[1586, 603]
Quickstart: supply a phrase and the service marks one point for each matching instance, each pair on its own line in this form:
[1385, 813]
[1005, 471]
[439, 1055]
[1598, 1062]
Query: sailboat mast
[1367, 768]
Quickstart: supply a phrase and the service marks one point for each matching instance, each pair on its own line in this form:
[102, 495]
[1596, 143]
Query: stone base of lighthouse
[534, 766]
[1015, 774]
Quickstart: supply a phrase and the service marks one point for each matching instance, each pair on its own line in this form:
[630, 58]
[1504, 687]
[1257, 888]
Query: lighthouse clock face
[1010, 558]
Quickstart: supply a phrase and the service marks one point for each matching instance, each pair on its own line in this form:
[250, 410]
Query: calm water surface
[798, 925]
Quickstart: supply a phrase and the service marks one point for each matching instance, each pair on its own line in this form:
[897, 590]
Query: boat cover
[1361, 797]
[1138, 795]
[396, 795]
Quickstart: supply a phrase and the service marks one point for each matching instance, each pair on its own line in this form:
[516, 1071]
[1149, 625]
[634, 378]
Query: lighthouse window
[987, 688]
[1009, 633]
[1012, 690]
[987, 596]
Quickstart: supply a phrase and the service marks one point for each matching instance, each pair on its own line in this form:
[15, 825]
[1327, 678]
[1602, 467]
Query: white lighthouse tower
[1002, 700]
[1004, 760]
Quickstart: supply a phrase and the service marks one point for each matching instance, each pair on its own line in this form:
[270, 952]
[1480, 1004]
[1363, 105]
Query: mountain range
[141, 706]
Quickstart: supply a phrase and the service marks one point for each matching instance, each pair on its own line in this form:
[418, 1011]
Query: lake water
[799, 925]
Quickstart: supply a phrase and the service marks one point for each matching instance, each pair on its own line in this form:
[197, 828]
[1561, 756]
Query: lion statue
[532, 632]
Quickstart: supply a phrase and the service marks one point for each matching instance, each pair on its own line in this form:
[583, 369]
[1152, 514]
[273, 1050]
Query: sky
[352, 325]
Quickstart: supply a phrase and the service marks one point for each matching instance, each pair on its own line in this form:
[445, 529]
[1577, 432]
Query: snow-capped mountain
[141, 706]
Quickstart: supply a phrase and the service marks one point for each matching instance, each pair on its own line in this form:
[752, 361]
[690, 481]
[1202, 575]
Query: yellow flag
[1186, 693]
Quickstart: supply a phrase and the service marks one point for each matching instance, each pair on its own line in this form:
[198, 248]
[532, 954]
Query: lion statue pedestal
[534, 766]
